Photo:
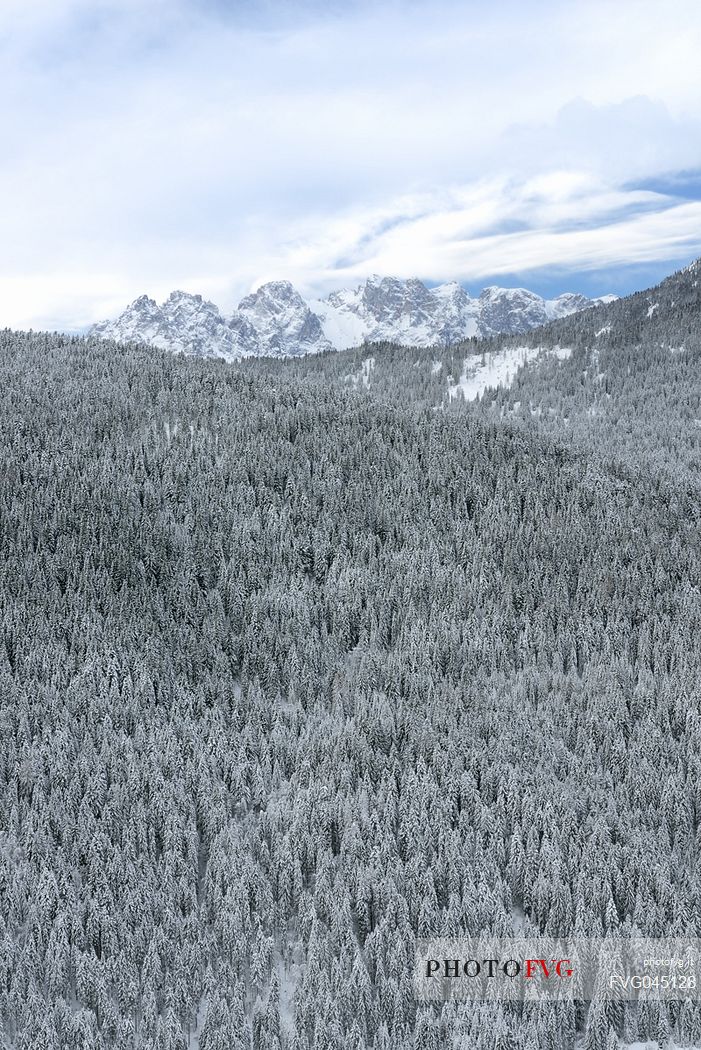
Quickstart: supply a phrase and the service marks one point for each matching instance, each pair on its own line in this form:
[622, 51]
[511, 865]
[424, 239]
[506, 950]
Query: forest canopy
[292, 674]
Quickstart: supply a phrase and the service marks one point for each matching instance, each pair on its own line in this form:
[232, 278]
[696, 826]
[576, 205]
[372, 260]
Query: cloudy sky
[212, 145]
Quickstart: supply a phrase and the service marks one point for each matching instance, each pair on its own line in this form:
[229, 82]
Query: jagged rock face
[398, 311]
[284, 323]
[183, 323]
[276, 321]
[409, 312]
[196, 325]
[569, 303]
[510, 310]
[513, 310]
[390, 301]
[143, 320]
[459, 313]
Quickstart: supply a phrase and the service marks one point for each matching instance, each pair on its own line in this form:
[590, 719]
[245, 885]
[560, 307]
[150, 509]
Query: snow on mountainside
[276, 321]
[283, 321]
[385, 308]
[183, 323]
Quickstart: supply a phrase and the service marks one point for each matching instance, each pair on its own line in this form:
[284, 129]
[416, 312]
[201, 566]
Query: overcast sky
[149, 145]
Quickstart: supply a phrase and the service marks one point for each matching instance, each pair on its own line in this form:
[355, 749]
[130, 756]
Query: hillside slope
[291, 676]
[623, 379]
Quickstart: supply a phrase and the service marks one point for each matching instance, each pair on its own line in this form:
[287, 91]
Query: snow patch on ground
[194, 1040]
[363, 375]
[290, 977]
[499, 369]
[651, 309]
[652, 1044]
[491, 370]
[602, 331]
[436, 367]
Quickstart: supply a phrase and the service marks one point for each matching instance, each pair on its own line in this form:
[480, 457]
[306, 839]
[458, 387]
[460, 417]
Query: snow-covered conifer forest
[302, 660]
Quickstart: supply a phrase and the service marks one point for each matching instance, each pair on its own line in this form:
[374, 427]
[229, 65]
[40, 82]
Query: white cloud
[562, 220]
[159, 144]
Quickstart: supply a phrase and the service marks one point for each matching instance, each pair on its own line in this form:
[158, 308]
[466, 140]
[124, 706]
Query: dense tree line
[291, 676]
[629, 391]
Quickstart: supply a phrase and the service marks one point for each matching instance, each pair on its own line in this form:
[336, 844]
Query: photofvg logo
[511, 968]
[545, 968]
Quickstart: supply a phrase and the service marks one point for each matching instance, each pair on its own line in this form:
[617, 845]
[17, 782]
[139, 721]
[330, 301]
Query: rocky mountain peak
[276, 321]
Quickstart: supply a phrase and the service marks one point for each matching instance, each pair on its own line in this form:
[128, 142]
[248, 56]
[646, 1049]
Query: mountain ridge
[276, 321]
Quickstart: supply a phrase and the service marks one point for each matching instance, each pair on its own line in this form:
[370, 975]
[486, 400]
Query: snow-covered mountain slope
[276, 321]
[284, 323]
[183, 323]
[387, 309]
